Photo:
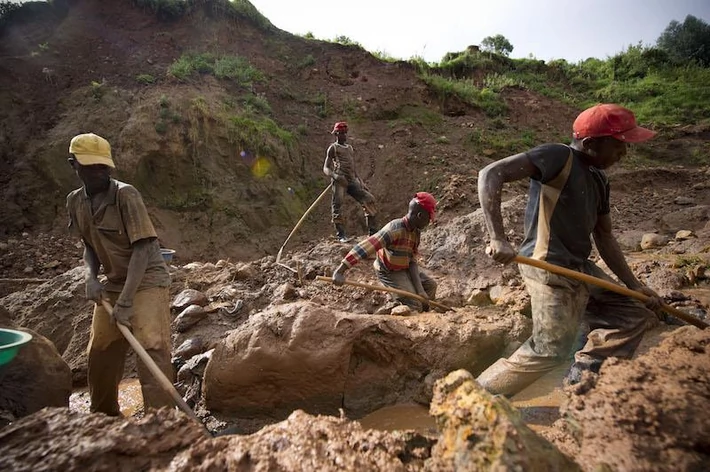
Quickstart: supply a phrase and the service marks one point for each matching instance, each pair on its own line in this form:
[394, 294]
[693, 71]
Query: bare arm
[136, 269]
[328, 164]
[490, 186]
[91, 260]
[610, 251]
[94, 288]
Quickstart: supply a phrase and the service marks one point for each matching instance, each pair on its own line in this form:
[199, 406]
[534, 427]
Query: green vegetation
[145, 79]
[258, 134]
[256, 103]
[97, 90]
[307, 61]
[346, 41]
[411, 115]
[688, 41]
[234, 68]
[166, 115]
[173, 9]
[466, 91]
[498, 44]
[7, 10]
[664, 85]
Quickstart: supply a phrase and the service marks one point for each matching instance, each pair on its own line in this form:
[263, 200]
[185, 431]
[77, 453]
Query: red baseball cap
[610, 120]
[340, 126]
[426, 201]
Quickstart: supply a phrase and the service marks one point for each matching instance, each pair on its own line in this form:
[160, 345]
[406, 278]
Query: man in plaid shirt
[396, 246]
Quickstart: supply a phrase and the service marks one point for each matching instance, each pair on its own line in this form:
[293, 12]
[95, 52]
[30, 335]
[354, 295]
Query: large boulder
[480, 431]
[302, 355]
[37, 377]
[59, 311]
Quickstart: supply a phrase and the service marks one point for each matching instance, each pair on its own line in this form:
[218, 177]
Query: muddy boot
[574, 374]
[340, 233]
[371, 225]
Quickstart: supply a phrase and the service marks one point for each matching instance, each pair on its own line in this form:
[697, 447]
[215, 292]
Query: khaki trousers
[107, 350]
[402, 280]
[559, 306]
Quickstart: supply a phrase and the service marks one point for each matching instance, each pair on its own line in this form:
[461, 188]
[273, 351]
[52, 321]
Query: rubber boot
[503, 378]
[340, 233]
[371, 225]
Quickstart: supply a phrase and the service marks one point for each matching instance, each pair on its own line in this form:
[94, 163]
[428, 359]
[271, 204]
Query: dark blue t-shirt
[564, 201]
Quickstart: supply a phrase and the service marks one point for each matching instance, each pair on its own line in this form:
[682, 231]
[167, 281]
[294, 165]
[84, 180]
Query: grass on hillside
[238, 9]
[234, 68]
[660, 92]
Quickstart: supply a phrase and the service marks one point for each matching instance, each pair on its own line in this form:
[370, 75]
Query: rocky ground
[254, 341]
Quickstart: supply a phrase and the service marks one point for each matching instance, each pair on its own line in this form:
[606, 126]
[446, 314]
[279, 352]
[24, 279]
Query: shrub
[145, 79]
[466, 91]
[233, 68]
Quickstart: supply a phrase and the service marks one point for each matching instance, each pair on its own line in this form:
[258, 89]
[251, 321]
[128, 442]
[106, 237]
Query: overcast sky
[548, 29]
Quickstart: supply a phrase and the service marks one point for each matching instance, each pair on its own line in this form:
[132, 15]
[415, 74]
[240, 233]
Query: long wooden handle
[158, 374]
[382, 288]
[609, 286]
[310, 208]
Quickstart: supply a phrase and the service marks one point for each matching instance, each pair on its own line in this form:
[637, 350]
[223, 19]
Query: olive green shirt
[120, 221]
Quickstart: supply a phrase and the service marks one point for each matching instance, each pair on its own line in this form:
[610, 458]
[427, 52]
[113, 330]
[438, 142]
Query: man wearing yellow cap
[118, 236]
[340, 167]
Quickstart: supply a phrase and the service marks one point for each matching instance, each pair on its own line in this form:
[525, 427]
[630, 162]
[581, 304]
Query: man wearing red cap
[568, 201]
[396, 246]
[340, 167]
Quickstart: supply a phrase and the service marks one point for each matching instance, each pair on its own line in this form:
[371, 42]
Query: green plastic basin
[10, 343]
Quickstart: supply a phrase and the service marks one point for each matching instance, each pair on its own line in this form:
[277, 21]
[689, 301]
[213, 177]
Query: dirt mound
[56, 439]
[647, 414]
[303, 356]
[304, 442]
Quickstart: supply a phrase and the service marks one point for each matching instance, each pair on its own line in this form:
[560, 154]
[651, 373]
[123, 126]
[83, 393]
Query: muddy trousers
[559, 306]
[361, 194]
[107, 351]
[402, 280]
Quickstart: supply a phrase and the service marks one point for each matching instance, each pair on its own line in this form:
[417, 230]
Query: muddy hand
[654, 302]
[94, 289]
[338, 278]
[123, 314]
[501, 251]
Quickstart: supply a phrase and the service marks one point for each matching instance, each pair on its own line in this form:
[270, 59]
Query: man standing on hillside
[396, 245]
[340, 167]
[568, 201]
[118, 235]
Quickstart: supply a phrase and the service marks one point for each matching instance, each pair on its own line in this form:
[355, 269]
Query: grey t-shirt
[564, 201]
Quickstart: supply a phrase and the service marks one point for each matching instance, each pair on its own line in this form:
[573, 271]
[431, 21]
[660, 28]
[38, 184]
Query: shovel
[295, 228]
[158, 374]
[382, 288]
[573, 274]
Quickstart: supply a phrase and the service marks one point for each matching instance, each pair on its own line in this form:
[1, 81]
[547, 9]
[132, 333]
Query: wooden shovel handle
[382, 288]
[555, 269]
[158, 374]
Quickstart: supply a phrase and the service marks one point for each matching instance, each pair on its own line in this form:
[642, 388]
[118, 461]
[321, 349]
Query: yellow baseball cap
[91, 149]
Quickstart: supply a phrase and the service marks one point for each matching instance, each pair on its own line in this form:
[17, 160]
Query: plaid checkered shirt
[396, 245]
